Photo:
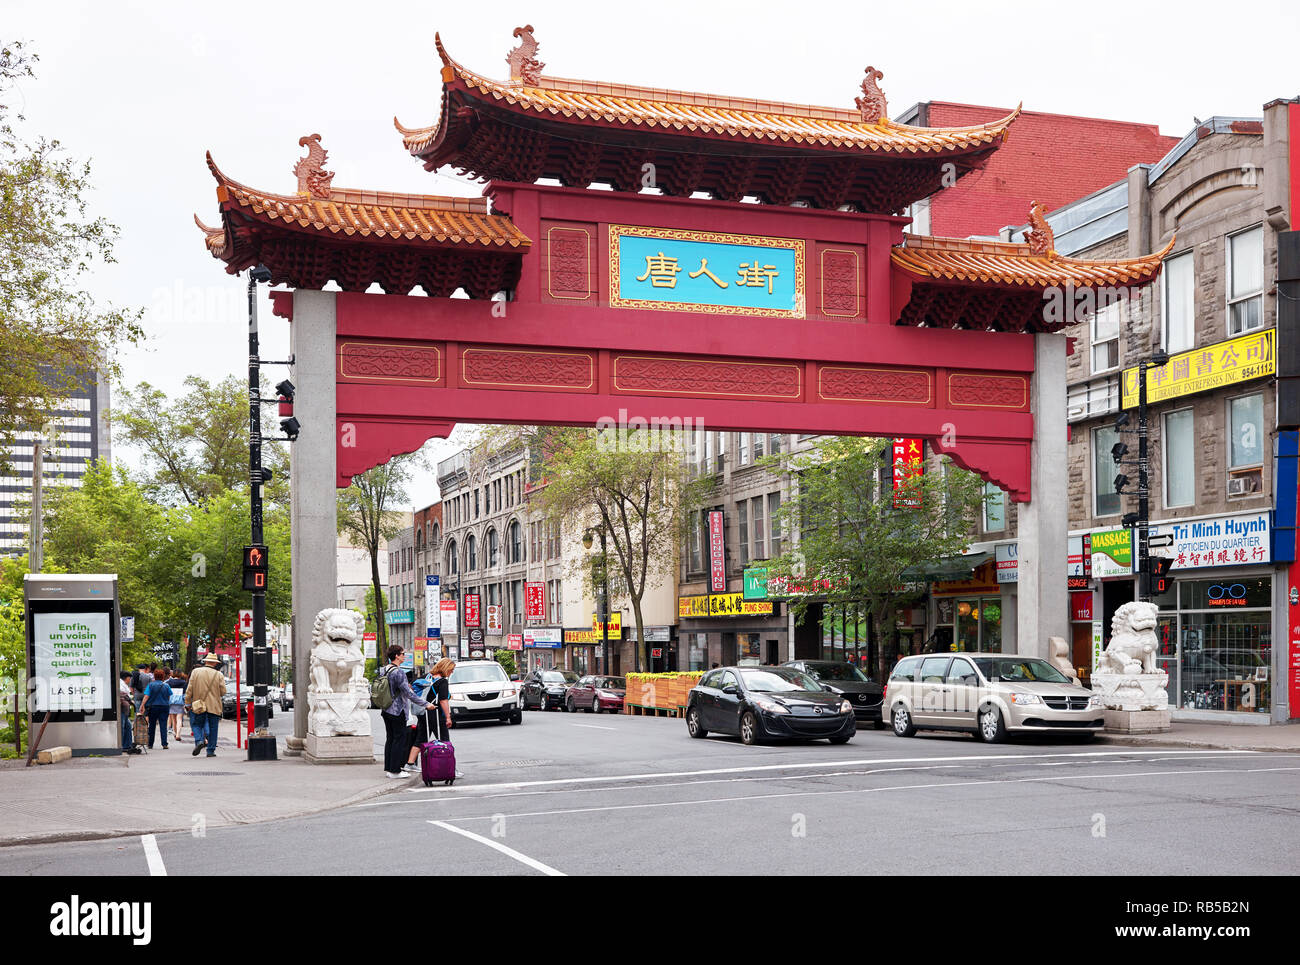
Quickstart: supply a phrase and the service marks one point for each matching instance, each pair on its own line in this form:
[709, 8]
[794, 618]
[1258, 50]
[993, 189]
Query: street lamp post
[1142, 517]
[602, 608]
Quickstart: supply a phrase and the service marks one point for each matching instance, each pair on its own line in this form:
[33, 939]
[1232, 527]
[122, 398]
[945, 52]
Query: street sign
[1156, 542]
[246, 622]
[128, 629]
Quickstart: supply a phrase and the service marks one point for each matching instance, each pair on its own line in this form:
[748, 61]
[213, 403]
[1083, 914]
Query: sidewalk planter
[659, 692]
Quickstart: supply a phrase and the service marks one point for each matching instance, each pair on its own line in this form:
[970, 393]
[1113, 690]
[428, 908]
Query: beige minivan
[991, 694]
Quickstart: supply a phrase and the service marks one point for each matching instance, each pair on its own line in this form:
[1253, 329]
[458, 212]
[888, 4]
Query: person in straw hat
[203, 700]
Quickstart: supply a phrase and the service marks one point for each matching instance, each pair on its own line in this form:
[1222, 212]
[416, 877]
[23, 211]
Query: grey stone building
[1218, 200]
[400, 613]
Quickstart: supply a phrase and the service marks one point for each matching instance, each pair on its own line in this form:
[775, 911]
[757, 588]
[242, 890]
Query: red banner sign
[515, 641]
[471, 610]
[535, 601]
[1081, 607]
[907, 464]
[717, 563]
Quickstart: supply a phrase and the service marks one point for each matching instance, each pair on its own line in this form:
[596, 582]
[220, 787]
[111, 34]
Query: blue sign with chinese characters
[703, 271]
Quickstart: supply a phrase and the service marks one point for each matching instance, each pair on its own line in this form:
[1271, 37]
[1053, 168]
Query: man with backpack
[393, 695]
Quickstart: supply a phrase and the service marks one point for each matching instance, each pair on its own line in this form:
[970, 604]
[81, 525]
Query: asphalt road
[586, 794]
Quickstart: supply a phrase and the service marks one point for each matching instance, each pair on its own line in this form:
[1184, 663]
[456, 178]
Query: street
[586, 794]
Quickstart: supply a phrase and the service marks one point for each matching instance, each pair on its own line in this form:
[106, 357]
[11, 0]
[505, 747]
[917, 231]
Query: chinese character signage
[615, 624]
[472, 610]
[1236, 360]
[535, 601]
[717, 562]
[907, 456]
[494, 618]
[549, 637]
[722, 605]
[705, 271]
[1220, 541]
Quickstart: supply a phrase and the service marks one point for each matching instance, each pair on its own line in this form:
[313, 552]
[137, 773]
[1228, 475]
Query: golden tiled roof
[373, 213]
[758, 120]
[1004, 263]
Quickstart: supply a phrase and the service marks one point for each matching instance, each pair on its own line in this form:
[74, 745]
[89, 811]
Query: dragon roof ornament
[525, 68]
[313, 179]
[872, 105]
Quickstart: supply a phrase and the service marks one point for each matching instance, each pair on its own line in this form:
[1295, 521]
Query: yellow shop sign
[1239, 359]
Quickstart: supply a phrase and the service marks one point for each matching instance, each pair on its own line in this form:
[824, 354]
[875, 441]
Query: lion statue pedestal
[1133, 690]
[338, 697]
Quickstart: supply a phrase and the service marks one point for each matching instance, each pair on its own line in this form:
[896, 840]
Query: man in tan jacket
[203, 700]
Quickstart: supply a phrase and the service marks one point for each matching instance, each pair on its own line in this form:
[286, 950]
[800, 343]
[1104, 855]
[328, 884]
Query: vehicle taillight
[884, 693]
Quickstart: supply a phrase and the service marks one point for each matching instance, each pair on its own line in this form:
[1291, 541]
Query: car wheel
[693, 725]
[903, 725]
[569, 708]
[749, 728]
[993, 728]
[841, 739]
[595, 705]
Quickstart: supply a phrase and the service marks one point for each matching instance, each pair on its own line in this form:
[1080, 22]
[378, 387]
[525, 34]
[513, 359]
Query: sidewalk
[171, 790]
[1227, 737]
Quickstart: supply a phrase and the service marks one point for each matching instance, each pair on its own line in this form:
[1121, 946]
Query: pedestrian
[157, 705]
[139, 680]
[177, 683]
[125, 705]
[397, 734]
[442, 671]
[418, 724]
[203, 699]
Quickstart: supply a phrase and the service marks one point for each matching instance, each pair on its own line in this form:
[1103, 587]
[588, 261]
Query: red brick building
[1040, 161]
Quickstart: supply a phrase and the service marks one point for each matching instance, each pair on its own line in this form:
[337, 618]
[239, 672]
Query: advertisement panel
[756, 583]
[1006, 556]
[1112, 553]
[549, 637]
[447, 617]
[615, 624]
[472, 610]
[515, 641]
[494, 618]
[432, 594]
[534, 601]
[907, 455]
[1237, 540]
[717, 549]
[73, 662]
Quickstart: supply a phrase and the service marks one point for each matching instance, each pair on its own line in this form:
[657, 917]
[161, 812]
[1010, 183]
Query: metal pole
[604, 594]
[1144, 501]
[37, 557]
[260, 747]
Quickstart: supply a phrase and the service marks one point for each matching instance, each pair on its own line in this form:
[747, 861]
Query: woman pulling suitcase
[437, 756]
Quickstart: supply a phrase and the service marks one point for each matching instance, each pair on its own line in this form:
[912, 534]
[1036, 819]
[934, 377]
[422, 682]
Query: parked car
[990, 694]
[545, 689]
[286, 698]
[245, 695]
[481, 690]
[767, 702]
[843, 678]
[595, 693]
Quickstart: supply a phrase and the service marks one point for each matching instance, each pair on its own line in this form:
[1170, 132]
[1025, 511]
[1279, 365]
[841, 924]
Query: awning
[949, 569]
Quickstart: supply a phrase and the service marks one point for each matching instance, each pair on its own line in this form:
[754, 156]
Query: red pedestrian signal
[1159, 566]
[256, 564]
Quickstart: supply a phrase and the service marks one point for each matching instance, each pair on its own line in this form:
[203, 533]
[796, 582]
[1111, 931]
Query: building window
[742, 529]
[1106, 500]
[774, 520]
[1179, 303]
[693, 563]
[742, 448]
[995, 509]
[760, 540]
[1246, 418]
[1180, 459]
[453, 560]
[516, 543]
[1245, 281]
[516, 602]
[471, 553]
[759, 439]
[493, 557]
[1105, 336]
[476, 504]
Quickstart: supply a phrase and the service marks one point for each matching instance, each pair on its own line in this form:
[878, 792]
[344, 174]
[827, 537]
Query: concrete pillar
[313, 490]
[1041, 604]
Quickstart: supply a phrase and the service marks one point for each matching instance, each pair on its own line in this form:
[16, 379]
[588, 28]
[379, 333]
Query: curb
[56, 837]
[1157, 740]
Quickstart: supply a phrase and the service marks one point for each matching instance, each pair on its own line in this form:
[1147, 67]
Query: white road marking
[511, 852]
[593, 726]
[520, 788]
[862, 790]
[156, 867]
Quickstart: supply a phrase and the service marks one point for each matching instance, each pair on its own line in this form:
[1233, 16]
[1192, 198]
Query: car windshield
[483, 673]
[611, 683]
[837, 671]
[778, 680]
[560, 677]
[1025, 669]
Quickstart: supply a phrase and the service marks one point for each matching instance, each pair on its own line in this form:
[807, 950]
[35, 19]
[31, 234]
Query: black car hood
[854, 687]
[801, 698]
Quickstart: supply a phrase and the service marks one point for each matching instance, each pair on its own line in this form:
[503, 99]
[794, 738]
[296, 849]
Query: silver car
[991, 694]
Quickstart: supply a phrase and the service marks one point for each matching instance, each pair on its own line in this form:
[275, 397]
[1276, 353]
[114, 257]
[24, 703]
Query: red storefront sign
[1081, 607]
[535, 601]
[717, 565]
[471, 610]
[907, 463]
[515, 641]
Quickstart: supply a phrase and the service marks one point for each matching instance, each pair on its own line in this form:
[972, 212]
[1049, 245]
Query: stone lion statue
[1060, 657]
[338, 695]
[1133, 642]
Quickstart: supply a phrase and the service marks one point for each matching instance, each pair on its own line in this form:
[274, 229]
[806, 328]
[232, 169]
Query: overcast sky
[143, 89]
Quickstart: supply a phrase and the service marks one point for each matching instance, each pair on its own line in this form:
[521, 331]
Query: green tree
[507, 660]
[52, 330]
[630, 483]
[13, 648]
[197, 445]
[374, 614]
[852, 548]
[368, 512]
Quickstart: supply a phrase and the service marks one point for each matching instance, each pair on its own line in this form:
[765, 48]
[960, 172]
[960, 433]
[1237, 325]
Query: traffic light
[1159, 566]
[1118, 451]
[290, 427]
[256, 565]
[1121, 481]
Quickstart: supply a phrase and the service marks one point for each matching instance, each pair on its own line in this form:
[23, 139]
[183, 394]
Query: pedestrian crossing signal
[256, 566]
[1160, 574]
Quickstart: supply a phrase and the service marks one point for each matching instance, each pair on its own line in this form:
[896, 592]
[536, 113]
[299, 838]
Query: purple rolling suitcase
[437, 761]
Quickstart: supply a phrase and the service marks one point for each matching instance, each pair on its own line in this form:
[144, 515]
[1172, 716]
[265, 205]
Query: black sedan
[767, 702]
[843, 678]
[545, 689]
